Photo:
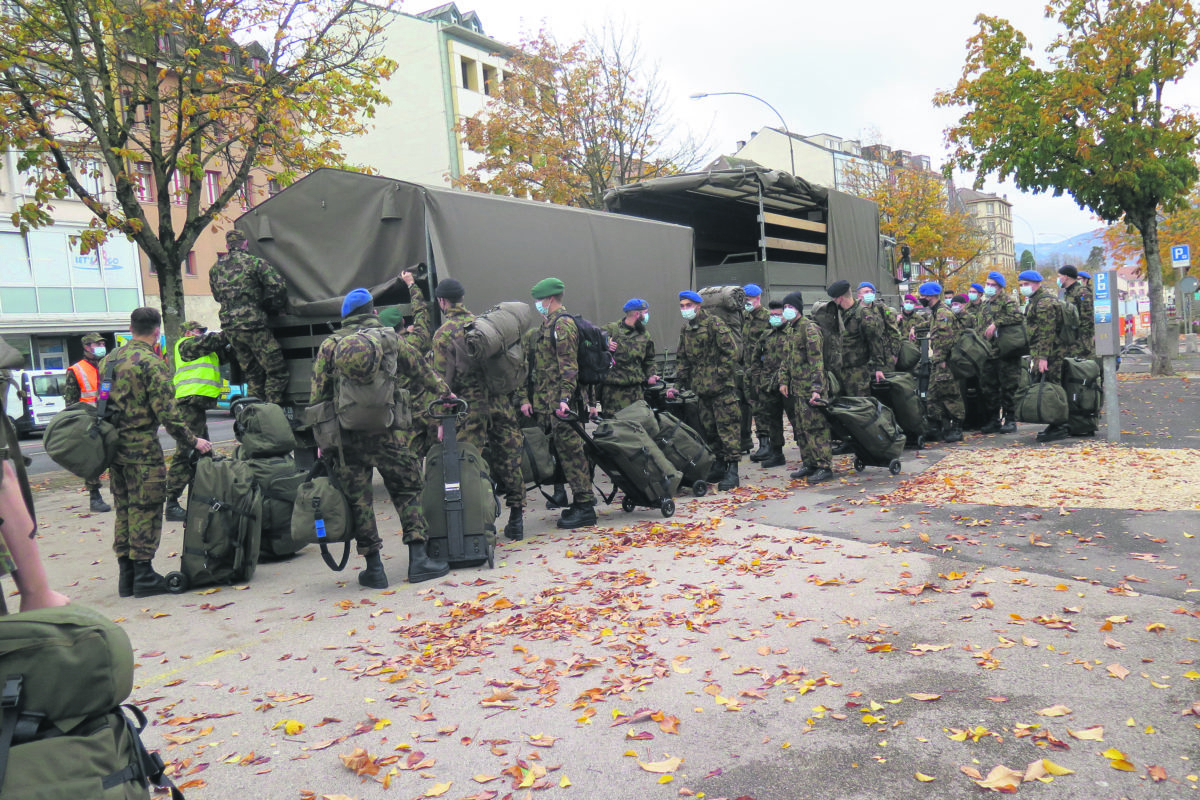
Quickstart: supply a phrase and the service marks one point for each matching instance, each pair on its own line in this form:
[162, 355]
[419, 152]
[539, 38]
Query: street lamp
[786, 132]
[1033, 233]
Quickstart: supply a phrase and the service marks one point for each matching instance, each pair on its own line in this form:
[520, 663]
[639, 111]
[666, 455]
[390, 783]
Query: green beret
[391, 316]
[547, 287]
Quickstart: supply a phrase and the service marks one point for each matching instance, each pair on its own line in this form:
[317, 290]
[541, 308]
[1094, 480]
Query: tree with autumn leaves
[1123, 244]
[1095, 121]
[569, 122]
[148, 100]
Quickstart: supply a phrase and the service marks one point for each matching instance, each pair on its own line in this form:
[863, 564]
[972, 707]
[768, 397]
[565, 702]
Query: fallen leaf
[438, 789]
[669, 765]
[1092, 734]
[923, 696]
[1055, 711]
[1002, 779]
[923, 778]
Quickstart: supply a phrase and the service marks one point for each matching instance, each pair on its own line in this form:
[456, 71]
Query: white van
[33, 397]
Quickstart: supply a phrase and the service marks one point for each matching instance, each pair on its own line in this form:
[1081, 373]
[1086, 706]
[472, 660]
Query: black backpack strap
[319, 468]
[145, 767]
[102, 400]
[10, 706]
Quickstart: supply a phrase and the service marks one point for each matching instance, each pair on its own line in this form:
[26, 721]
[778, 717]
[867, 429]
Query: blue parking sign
[1181, 256]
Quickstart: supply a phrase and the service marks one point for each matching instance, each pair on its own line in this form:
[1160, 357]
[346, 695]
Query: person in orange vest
[83, 385]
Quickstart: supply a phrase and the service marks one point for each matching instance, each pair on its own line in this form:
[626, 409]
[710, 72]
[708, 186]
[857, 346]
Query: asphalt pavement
[778, 642]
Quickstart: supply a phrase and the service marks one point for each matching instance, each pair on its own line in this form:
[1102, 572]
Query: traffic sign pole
[1106, 311]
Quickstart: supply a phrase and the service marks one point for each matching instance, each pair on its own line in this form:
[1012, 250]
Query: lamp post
[786, 132]
[1032, 233]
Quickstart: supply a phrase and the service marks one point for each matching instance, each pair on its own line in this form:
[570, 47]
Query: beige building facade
[993, 214]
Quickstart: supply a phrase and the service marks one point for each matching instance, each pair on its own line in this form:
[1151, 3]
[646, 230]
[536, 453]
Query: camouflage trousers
[769, 410]
[720, 422]
[745, 399]
[401, 472]
[944, 401]
[614, 398]
[569, 449]
[998, 383]
[810, 429]
[856, 381]
[92, 486]
[139, 491]
[261, 360]
[195, 414]
[492, 427]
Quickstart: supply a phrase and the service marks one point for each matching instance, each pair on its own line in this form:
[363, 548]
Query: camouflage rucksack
[368, 397]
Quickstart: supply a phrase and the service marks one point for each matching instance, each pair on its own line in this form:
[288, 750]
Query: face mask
[645, 317]
[946, 301]
[956, 308]
[540, 306]
[869, 297]
[972, 296]
[990, 291]
[910, 307]
[1026, 291]
[749, 307]
[1059, 282]
[687, 313]
[790, 313]
[776, 320]
[99, 351]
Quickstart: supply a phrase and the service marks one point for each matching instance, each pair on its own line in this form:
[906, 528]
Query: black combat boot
[175, 512]
[515, 529]
[147, 582]
[843, 448]
[373, 577]
[1053, 433]
[803, 472]
[98, 504]
[820, 474]
[730, 479]
[581, 514]
[763, 451]
[774, 458]
[420, 566]
[952, 432]
[1009, 426]
[125, 577]
[558, 499]
[992, 426]
[717, 472]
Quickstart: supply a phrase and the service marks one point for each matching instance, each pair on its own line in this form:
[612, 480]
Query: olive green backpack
[322, 515]
[263, 429]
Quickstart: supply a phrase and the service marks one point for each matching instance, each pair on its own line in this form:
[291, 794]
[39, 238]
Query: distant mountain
[1072, 251]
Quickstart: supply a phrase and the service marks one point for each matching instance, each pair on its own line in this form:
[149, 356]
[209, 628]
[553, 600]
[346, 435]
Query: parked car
[231, 394]
[34, 397]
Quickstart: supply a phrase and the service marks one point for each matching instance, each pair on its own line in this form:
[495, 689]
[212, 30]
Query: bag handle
[319, 469]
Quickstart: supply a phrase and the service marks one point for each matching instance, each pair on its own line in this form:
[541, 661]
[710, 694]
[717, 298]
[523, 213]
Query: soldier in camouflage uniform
[552, 393]
[195, 350]
[999, 380]
[247, 287]
[94, 349]
[707, 365]
[633, 359]
[141, 397]
[491, 424]
[361, 451]
[975, 304]
[882, 325]
[762, 373]
[911, 312]
[801, 380]
[944, 404]
[1044, 322]
[863, 356]
[423, 433]
[1078, 295]
[756, 326]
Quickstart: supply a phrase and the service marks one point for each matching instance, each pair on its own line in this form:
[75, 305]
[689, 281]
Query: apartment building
[993, 214]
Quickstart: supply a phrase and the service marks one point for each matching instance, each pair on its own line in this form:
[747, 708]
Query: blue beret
[690, 295]
[1030, 275]
[356, 298]
[635, 304]
[977, 287]
[867, 284]
[752, 290]
[1087, 275]
[930, 289]
[998, 278]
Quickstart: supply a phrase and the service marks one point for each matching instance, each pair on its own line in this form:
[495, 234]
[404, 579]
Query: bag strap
[145, 767]
[105, 385]
[452, 495]
[10, 705]
[318, 469]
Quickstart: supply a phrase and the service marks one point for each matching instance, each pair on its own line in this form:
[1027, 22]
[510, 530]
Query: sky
[865, 70]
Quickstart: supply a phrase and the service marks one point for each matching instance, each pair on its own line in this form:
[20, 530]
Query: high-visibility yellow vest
[201, 377]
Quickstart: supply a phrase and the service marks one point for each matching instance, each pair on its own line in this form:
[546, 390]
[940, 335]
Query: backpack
[81, 438]
[1012, 340]
[263, 429]
[278, 479]
[494, 343]
[908, 356]
[223, 531]
[1084, 385]
[728, 303]
[1068, 334]
[685, 449]
[63, 734]
[368, 397]
[595, 359]
[322, 515]
[969, 356]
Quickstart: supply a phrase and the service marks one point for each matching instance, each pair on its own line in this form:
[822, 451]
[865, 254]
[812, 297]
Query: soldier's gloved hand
[203, 445]
[527, 409]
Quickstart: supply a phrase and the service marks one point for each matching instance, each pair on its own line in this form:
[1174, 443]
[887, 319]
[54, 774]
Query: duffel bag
[1084, 385]
[898, 391]
[1012, 340]
[278, 479]
[263, 429]
[626, 446]
[640, 413]
[909, 357]
[969, 356]
[683, 447]
[1041, 403]
[80, 442]
[322, 515]
[223, 530]
[539, 467]
[871, 425]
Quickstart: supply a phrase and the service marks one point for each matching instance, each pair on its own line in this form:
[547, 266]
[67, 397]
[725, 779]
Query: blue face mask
[645, 317]
[946, 301]
[869, 297]
[776, 320]
[1027, 291]
[749, 307]
[972, 296]
[541, 308]
[687, 313]
[99, 351]
[910, 307]
[990, 291]
[790, 313]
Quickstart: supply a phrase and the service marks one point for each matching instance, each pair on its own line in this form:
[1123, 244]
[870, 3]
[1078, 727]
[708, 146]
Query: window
[179, 193]
[212, 186]
[248, 193]
[189, 265]
[991, 209]
[469, 74]
[143, 181]
[273, 187]
[256, 65]
[89, 173]
[489, 80]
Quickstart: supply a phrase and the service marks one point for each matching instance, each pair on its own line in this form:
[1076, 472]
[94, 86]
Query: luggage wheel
[668, 507]
[627, 505]
[859, 465]
[921, 442]
[177, 582]
[699, 489]
[491, 556]
[894, 467]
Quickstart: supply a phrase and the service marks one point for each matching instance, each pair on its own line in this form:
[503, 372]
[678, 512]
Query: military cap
[795, 300]
[91, 338]
[961, 299]
[690, 295]
[234, 235]
[838, 288]
[193, 325]
[930, 289]
[1069, 271]
[1085, 275]
[391, 317]
[450, 289]
[867, 285]
[1030, 275]
[752, 290]
[977, 287]
[547, 287]
[998, 278]
[635, 304]
[355, 300]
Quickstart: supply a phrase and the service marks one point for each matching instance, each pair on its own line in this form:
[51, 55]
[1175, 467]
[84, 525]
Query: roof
[973, 196]
[780, 191]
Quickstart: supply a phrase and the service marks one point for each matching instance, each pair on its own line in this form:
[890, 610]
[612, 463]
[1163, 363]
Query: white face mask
[1059, 282]
[645, 317]
[869, 297]
[910, 307]
[972, 296]
[99, 351]
[790, 313]
[956, 308]
[1026, 291]
[687, 313]
[990, 291]
[749, 307]
[540, 306]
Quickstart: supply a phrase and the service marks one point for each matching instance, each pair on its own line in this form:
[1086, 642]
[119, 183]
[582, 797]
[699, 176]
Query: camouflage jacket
[193, 347]
[413, 372]
[770, 348]
[247, 287]
[882, 325]
[634, 357]
[1043, 319]
[71, 393]
[422, 327]
[802, 368]
[707, 357]
[140, 398]
[450, 359]
[907, 322]
[553, 355]
[756, 327]
[827, 315]
[999, 310]
[1081, 296]
[943, 328]
[975, 312]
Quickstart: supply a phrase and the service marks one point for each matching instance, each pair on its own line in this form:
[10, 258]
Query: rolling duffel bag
[223, 530]
[877, 437]
[641, 413]
[626, 446]
[898, 391]
[459, 498]
[278, 479]
[684, 448]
